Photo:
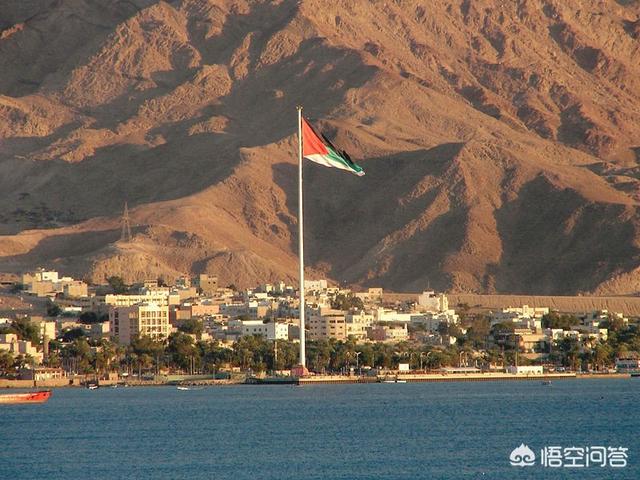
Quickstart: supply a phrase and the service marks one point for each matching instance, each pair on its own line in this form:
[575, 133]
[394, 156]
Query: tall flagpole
[303, 362]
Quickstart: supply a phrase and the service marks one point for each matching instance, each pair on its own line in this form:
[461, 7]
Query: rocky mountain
[499, 139]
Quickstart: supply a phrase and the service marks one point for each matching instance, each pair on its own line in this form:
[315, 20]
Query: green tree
[319, 355]
[346, 302]
[192, 326]
[79, 351]
[93, 317]
[213, 355]
[287, 355]
[613, 323]
[557, 320]
[53, 310]
[73, 334]
[479, 331]
[253, 352]
[181, 350]
[117, 284]
[451, 329]
[105, 356]
[26, 330]
[6, 363]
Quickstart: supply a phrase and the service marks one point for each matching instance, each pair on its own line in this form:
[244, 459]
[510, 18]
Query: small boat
[31, 397]
[546, 382]
[180, 387]
[93, 386]
[395, 380]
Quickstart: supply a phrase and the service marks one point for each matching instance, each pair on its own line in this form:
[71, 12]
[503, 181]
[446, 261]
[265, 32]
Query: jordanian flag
[320, 150]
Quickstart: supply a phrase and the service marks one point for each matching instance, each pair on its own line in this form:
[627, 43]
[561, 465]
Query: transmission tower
[126, 225]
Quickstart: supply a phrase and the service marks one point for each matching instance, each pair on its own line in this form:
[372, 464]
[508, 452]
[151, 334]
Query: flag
[320, 150]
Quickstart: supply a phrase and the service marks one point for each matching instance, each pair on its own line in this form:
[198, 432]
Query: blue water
[376, 431]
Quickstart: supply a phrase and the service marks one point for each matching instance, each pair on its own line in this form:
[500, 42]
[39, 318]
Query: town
[57, 330]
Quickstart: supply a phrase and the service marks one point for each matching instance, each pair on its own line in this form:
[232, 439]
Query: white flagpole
[303, 362]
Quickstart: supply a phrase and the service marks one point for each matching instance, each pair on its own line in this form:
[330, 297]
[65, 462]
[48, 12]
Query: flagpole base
[299, 371]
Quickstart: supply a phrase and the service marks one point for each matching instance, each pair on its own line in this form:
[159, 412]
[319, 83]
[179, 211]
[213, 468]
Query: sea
[453, 430]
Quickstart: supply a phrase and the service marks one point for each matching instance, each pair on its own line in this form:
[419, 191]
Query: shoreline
[327, 380]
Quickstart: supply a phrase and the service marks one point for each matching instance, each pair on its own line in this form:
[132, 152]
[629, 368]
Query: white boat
[394, 381]
[179, 387]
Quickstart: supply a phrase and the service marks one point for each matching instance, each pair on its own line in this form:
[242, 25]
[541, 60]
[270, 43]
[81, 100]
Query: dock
[430, 377]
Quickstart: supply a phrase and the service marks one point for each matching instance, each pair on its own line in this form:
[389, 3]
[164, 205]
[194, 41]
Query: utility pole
[275, 355]
[126, 225]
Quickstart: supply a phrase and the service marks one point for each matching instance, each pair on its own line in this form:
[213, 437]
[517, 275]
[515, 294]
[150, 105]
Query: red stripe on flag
[311, 143]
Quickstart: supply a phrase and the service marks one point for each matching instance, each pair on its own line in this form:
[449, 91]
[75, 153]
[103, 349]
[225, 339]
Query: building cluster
[10, 342]
[377, 322]
[272, 311]
[47, 283]
[528, 332]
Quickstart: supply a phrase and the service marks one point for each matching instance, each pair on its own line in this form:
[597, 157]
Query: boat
[395, 380]
[546, 382]
[93, 386]
[30, 397]
[179, 387]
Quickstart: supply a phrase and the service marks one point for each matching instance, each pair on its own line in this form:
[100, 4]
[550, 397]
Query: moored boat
[30, 397]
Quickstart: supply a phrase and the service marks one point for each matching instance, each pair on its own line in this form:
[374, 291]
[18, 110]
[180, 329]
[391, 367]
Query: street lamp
[422, 355]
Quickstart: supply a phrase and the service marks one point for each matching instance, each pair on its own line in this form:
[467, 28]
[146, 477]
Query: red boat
[31, 397]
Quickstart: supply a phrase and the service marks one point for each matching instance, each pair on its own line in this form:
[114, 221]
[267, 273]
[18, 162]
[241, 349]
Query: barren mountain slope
[499, 141]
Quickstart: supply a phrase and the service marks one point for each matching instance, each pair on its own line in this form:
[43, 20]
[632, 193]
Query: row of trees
[182, 353]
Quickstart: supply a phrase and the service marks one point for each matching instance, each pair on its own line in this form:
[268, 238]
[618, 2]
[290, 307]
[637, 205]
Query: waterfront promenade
[391, 377]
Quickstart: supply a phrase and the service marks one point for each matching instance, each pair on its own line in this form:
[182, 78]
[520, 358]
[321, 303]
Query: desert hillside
[500, 141]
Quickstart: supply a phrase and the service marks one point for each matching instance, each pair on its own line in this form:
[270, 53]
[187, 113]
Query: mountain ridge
[499, 142]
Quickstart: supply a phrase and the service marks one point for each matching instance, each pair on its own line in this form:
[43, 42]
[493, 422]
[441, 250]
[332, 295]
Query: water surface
[374, 431]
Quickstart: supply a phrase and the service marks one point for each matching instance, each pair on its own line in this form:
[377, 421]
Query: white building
[525, 370]
[430, 302]
[269, 330]
[387, 315]
[521, 317]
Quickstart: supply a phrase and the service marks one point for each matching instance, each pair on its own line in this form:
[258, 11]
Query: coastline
[323, 380]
